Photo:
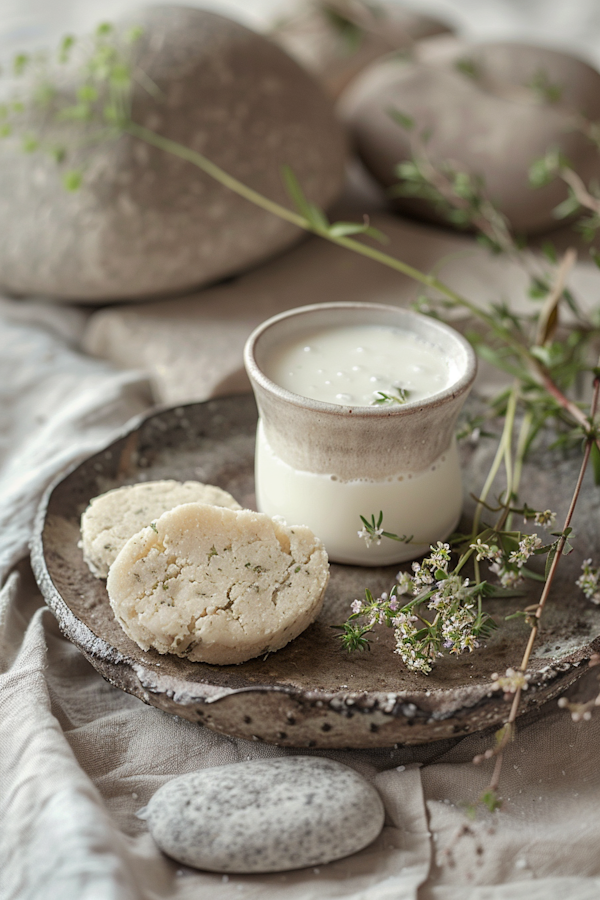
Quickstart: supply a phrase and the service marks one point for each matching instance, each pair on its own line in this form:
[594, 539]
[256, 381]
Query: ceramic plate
[311, 693]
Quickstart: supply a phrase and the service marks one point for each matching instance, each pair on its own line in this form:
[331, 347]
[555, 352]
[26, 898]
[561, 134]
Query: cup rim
[457, 388]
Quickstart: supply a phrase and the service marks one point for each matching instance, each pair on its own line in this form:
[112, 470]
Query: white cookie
[112, 518]
[218, 585]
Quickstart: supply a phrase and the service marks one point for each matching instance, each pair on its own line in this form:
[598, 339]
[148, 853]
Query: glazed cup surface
[324, 464]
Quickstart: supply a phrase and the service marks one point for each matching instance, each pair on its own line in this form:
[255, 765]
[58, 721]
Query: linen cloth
[79, 757]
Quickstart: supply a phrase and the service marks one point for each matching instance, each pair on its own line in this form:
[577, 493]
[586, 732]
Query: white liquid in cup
[350, 365]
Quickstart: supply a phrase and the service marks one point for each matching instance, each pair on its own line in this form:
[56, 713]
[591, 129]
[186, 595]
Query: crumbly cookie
[218, 585]
[112, 518]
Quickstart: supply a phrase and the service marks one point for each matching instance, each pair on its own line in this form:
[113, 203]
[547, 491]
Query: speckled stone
[265, 815]
[145, 223]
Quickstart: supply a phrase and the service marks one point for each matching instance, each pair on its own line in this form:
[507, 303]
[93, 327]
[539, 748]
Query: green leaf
[401, 118]
[351, 33]
[538, 289]
[342, 229]
[316, 217]
[550, 560]
[20, 63]
[540, 173]
[58, 153]
[549, 251]
[66, 45]
[134, 34]
[87, 93]
[30, 144]
[120, 75]
[73, 179]
[467, 67]
[595, 459]
[5, 130]
[104, 29]
[566, 208]
[490, 799]
[542, 86]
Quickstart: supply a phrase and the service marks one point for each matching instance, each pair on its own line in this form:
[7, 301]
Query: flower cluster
[546, 518]
[512, 681]
[508, 565]
[432, 611]
[589, 581]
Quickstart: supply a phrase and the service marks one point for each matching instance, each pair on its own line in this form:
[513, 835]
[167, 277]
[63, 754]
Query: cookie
[112, 518]
[217, 585]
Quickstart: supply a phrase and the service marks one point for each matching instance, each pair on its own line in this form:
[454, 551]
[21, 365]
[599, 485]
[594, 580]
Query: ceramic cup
[325, 465]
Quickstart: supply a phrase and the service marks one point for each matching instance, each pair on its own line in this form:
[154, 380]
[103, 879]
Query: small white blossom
[527, 547]
[509, 578]
[546, 518]
[422, 577]
[511, 682]
[589, 581]
[486, 551]
[371, 536]
[457, 631]
[405, 583]
[440, 556]
[356, 606]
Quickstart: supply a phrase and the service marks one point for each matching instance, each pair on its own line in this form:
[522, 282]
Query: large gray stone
[147, 223]
[491, 123]
[265, 815]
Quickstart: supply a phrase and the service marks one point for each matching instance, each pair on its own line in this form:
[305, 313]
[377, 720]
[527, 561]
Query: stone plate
[311, 693]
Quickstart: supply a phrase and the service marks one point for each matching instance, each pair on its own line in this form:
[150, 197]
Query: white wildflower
[546, 518]
[486, 551]
[457, 631]
[422, 577]
[405, 583]
[527, 547]
[509, 578]
[589, 581]
[510, 682]
[371, 535]
[440, 556]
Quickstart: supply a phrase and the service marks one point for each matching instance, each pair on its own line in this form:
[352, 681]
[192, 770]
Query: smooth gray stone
[491, 125]
[265, 815]
[146, 223]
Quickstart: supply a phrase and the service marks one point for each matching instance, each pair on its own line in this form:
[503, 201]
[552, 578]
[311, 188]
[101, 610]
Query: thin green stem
[501, 453]
[520, 458]
[495, 780]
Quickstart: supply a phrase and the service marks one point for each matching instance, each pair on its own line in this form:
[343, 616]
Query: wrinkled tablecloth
[79, 757]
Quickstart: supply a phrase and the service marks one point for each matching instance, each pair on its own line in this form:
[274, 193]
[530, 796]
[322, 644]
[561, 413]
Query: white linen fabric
[79, 757]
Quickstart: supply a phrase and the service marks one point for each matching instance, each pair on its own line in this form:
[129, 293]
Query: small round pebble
[265, 815]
